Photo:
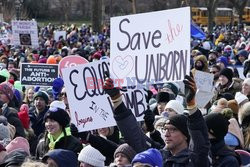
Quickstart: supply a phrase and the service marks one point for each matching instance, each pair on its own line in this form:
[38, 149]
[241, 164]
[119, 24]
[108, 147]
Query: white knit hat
[58, 104]
[91, 156]
[246, 81]
[240, 97]
[176, 106]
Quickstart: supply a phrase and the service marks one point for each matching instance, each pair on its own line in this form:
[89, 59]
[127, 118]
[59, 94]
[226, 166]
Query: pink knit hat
[18, 143]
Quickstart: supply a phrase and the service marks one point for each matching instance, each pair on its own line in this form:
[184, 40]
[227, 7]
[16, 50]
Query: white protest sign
[24, 33]
[58, 34]
[240, 71]
[202, 98]
[151, 47]
[204, 81]
[90, 107]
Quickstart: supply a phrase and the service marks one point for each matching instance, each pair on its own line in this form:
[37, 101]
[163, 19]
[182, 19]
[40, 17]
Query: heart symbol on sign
[122, 66]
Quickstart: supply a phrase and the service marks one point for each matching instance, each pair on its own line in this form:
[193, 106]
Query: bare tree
[133, 3]
[239, 6]
[65, 6]
[96, 15]
[211, 6]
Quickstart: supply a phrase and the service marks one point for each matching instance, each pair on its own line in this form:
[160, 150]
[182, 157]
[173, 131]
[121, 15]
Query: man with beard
[212, 57]
[215, 69]
[37, 112]
[200, 63]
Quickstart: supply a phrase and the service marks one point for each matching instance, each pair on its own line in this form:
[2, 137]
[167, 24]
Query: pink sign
[70, 61]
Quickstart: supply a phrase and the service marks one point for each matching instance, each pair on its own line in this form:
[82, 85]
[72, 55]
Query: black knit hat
[164, 97]
[217, 125]
[43, 95]
[180, 122]
[127, 150]
[59, 115]
[227, 73]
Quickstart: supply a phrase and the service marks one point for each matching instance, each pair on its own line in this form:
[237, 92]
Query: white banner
[58, 34]
[25, 33]
[151, 47]
[90, 107]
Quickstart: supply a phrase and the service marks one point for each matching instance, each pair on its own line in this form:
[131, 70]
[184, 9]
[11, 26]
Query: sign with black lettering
[151, 48]
[24, 33]
[90, 107]
[38, 74]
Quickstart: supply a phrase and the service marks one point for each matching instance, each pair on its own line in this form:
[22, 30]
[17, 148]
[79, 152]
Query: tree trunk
[210, 20]
[134, 6]
[96, 15]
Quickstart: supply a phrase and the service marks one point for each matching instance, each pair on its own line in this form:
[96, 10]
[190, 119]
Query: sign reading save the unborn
[150, 47]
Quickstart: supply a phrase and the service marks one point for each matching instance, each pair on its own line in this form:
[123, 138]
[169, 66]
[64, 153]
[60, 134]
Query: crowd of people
[35, 126]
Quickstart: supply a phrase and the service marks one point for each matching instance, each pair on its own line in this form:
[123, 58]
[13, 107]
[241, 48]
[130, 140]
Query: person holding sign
[179, 129]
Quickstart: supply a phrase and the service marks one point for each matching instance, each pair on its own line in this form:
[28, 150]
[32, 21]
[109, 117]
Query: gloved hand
[190, 89]
[149, 119]
[109, 87]
[74, 132]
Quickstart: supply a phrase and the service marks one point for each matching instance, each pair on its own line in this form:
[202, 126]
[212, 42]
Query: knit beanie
[246, 81]
[43, 95]
[59, 115]
[227, 73]
[57, 86]
[222, 59]
[173, 87]
[127, 150]
[5, 89]
[91, 156]
[58, 104]
[180, 122]
[217, 125]
[240, 97]
[4, 132]
[18, 143]
[164, 97]
[63, 158]
[176, 106]
[23, 116]
[151, 156]
[51, 60]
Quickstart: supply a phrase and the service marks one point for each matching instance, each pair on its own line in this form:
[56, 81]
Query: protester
[58, 134]
[60, 158]
[177, 135]
[38, 112]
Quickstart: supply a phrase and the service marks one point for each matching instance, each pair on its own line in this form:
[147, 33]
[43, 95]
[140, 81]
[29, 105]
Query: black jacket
[72, 144]
[36, 120]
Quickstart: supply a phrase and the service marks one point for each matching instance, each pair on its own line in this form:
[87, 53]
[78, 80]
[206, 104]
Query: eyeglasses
[169, 130]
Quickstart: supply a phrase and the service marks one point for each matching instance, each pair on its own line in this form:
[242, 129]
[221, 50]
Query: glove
[149, 119]
[109, 87]
[190, 89]
[74, 132]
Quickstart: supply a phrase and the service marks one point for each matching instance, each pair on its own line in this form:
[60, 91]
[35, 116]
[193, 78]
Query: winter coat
[196, 155]
[36, 120]
[222, 156]
[71, 143]
[13, 119]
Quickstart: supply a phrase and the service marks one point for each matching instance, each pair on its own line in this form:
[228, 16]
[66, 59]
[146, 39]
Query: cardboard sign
[58, 34]
[90, 107]
[38, 74]
[25, 33]
[202, 98]
[204, 81]
[151, 47]
[70, 61]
